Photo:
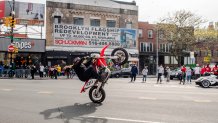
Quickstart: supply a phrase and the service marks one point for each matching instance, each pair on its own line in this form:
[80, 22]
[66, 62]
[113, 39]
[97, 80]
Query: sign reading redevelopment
[74, 35]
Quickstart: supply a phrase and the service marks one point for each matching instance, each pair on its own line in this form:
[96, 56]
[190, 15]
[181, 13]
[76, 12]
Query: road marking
[6, 89]
[147, 98]
[202, 101]
[121, 119]
[45, 92]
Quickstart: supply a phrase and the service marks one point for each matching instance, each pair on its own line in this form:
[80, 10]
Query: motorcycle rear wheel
[97, 98]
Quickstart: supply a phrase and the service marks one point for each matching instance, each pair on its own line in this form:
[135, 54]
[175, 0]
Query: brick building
[91, 19]
[148, 48]
[207, 49]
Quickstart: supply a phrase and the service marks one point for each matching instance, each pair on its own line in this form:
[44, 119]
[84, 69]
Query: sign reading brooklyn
[75, 35]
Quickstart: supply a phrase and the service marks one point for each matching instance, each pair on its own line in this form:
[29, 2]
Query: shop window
[167, 59]
[111, 23]
[95, 22]
[78, 21]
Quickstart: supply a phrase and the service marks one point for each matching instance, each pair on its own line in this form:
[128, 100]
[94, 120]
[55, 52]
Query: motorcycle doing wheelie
[119, 56]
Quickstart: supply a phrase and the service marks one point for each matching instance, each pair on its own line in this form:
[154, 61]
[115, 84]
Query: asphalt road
[60, 101]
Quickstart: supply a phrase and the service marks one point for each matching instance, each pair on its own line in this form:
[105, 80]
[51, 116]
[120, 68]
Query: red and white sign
[10, 48]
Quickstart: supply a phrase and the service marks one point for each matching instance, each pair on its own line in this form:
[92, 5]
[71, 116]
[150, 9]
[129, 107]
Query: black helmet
[76, 60]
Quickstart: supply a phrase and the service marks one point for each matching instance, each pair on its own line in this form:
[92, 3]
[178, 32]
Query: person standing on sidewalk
[41, 70]
[134, 71]
[188, 75]
[33, 70]
[1, 69]
[183, 76]
[168, 74]
[144, 73]
[197, 71]
[215, 70]
[160, 72]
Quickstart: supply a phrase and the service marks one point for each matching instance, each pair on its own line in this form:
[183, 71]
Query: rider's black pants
[90, 73]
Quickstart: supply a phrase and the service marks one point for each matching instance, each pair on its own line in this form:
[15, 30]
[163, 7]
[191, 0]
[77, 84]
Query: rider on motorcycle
[85, 68]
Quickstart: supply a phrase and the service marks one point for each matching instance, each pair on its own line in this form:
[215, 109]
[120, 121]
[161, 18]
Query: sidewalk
[148, 76]
[65, 77]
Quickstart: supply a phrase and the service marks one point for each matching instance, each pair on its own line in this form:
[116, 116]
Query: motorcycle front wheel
[96, 97]
[122, 55]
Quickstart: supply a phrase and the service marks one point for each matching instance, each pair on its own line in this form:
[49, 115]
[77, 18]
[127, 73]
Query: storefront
[30, 51]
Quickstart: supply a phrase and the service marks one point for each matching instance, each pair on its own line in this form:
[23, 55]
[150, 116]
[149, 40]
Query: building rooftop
[102, 3]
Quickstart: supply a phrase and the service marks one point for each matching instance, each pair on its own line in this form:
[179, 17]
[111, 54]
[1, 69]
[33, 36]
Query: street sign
[10, 48]
[207, 59]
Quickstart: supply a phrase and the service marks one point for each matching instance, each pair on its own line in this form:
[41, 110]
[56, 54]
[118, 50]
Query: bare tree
[178, 30]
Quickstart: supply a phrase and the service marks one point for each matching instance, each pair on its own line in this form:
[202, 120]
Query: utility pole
[12, 27]
[157, 50]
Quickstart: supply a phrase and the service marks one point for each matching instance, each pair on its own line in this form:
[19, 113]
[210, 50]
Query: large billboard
[25, 12]
[75, 35]
[30, 11]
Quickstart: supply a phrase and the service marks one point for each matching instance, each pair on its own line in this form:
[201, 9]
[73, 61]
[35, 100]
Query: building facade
[151, 42]
[80, 27]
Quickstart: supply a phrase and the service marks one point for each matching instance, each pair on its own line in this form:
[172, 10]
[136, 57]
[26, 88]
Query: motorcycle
[207, 81]
[97, 93]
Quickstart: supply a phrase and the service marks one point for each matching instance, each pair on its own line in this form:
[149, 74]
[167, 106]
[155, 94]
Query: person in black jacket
[134, 71]
[33, 70]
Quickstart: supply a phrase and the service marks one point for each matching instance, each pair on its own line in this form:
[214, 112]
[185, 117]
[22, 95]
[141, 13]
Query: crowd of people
[185, 73]
[188, 73]
[29, 71]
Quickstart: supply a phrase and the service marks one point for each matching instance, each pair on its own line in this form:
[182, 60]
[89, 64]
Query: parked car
[124, 72]
[175, 74]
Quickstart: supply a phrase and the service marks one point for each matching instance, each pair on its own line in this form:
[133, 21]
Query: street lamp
[157, 50]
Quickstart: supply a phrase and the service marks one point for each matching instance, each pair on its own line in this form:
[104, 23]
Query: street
[60, 101]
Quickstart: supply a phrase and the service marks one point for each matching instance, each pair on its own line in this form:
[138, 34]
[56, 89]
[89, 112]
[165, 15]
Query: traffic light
[12, 22]
[7, 21]
[15, 49]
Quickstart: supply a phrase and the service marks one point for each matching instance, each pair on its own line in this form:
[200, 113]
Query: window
[140, 33]
[78, 21]
[150, 33]
[95, 22]
[129, 25]
[111, 23]
[166, 59]
[161, 34]
[151, 47]
[168, 47]
[173, 60]
[161, 47]
[146, 47]
[57, 19]
[165, 47]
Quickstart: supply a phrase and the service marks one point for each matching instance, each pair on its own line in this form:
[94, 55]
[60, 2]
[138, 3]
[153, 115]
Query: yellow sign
[207, 59]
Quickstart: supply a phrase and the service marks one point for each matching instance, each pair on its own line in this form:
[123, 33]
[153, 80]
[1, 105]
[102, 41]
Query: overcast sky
[153, 10]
